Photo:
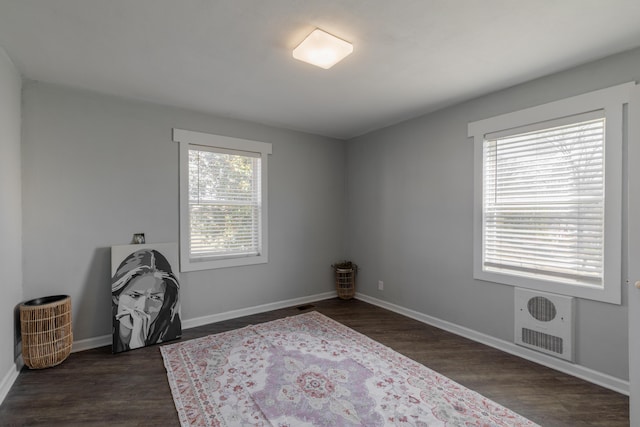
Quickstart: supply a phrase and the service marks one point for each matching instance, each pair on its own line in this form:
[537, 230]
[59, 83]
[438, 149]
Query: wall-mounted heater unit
[544, 322]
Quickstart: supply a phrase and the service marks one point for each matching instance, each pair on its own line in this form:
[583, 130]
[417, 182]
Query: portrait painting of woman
[145, 299]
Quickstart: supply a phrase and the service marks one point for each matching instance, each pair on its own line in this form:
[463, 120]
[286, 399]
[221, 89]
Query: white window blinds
[543, 201]
[225, 203]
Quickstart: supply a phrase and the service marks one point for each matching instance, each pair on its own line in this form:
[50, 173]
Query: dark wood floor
[94, 387]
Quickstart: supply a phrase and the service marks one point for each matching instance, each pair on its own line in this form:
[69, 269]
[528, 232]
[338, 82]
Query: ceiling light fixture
[322, 49]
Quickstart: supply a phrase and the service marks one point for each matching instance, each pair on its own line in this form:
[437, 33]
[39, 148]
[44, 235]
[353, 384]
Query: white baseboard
[10, 377]
[103, 340]
[89, 343]
[604, 380]
[205, 320]
[595, 377]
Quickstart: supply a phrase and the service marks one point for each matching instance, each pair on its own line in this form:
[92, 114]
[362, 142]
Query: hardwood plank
[95, 387]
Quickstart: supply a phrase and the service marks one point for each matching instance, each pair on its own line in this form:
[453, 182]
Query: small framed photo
[138, 239]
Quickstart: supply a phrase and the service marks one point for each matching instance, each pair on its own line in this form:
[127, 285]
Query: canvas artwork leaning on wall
[145, 295]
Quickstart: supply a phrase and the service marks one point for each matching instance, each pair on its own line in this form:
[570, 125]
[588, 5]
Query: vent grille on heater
[544, 322]
[542, 340]
[542, 309]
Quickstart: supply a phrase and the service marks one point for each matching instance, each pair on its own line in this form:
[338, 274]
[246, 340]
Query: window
[547, 210]
[223, 193]
[543, 202]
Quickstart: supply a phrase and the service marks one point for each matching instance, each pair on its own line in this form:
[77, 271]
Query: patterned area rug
[309, 370]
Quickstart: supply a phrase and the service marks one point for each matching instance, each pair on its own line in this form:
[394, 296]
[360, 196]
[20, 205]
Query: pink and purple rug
[309, 370]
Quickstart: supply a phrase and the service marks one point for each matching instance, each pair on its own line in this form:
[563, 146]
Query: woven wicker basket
[345, 272]
[345, 282]
[45, 324]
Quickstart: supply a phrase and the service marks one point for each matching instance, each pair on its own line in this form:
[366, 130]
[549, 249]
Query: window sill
[605, 294]
[189, 265]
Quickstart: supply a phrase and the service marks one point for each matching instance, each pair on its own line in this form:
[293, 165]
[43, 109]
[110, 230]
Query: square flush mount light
[322, 49]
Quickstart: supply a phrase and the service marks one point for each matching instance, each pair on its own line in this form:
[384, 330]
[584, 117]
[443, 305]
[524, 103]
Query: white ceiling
[233, 57]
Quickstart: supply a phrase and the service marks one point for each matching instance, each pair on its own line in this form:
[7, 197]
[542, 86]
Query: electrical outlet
[380, 285]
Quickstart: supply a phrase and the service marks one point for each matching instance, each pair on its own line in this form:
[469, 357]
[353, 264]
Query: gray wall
[97, 169]
[10, 208]
[410, 212]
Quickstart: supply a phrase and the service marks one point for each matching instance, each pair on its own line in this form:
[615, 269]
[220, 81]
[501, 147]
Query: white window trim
[612, 101]
[187, 138]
